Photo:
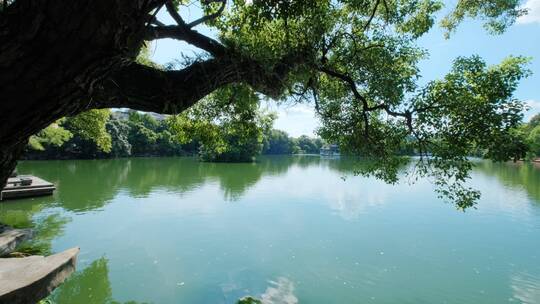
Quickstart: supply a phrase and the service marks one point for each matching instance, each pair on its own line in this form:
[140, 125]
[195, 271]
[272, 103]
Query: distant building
[120, 114]
[157, 116]
[330, 150]
[123, 114]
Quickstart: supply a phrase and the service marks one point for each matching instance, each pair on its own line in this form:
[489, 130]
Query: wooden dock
[26, 186]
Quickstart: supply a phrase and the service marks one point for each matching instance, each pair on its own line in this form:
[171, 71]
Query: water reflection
[89, 184]
[519, 175]
[526, 288]
[349, 205]
[85, 185]
[280, 291]
[48, 224]
[280, 218]
[90, 285]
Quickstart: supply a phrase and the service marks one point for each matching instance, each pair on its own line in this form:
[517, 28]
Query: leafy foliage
[534, 140]
[279, 142]
[53, 135]
[499, 14]
[471, 108]
[119, 131]
[91, 125]
[227, 124]
[141, 138]
[96, 135]
[531, 134]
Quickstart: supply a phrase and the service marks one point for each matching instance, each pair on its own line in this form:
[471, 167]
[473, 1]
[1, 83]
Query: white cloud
[295, 119]
[533, 16]
[533, 108]
[533, 104]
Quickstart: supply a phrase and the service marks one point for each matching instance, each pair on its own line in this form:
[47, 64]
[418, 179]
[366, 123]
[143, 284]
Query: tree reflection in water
[85, 186]
[76, 289]
[516, 175]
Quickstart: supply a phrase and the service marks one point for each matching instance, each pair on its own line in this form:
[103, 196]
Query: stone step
[30, 279]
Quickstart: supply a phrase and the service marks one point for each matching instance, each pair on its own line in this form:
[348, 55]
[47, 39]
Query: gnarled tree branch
[174, 14]
[148, 89]
[368, 23]
[211, 16]
[183, 33]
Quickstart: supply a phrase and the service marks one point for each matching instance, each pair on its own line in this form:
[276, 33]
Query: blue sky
[470, 38]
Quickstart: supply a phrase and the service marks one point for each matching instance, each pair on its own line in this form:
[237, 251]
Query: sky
[522, 39]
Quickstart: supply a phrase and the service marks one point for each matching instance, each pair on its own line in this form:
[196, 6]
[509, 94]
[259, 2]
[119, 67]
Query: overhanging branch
[407, 115]
[211, 16]
[183, 33]
[368, 23]
[174, 14]
[148, 89]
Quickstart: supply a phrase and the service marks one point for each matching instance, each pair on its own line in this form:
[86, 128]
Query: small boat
[26, 186]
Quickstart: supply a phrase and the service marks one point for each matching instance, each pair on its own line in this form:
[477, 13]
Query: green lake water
[285, 229]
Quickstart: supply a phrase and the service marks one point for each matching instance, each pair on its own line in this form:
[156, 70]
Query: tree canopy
[359, 67]
[88, 126]
[228, 124]
[355, 61]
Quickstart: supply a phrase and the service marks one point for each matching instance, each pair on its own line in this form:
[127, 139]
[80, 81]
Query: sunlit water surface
[285, 229]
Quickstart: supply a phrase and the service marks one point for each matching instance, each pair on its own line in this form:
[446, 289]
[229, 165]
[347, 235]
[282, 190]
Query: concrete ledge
[30, 279]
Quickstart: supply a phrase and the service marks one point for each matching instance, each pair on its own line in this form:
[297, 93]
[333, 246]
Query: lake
[285, 229]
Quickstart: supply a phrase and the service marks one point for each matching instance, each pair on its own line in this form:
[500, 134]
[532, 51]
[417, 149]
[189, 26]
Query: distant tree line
[531, 132]
[106, 134]
[98, 134]
[236, 131]
[279, 142]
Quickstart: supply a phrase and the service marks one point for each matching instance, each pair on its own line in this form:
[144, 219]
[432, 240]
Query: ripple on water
[280, 291]
[525, 288]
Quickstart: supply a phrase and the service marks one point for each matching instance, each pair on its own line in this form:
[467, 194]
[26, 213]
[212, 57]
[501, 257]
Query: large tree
[355, 60]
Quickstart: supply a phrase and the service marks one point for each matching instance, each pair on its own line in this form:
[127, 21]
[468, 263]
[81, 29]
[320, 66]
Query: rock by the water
[11, 238]
[30, 279]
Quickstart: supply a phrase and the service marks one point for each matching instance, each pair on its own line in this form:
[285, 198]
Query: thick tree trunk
[61, 57]
[8, 159]
[53, 54]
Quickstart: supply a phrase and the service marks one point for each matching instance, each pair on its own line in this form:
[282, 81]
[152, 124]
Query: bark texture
[53, 54]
